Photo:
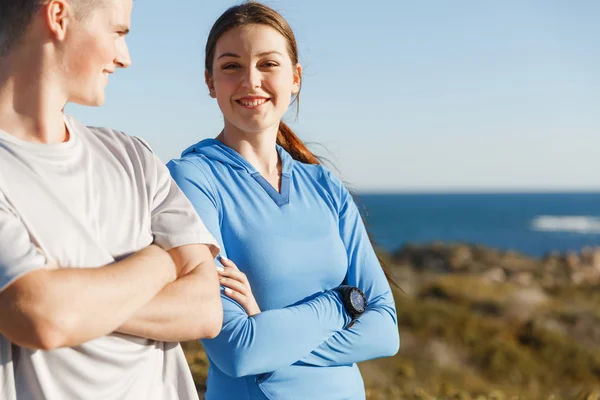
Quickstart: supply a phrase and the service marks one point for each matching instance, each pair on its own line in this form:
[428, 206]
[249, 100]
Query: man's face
[93, 49]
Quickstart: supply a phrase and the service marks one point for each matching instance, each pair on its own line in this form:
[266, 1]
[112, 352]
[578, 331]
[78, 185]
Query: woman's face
[253, 78]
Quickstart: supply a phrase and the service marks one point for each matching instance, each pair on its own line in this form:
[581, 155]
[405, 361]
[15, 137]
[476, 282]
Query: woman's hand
[237, 286]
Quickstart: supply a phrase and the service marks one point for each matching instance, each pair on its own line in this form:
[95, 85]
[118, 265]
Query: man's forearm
[187, 309]
[69, 306]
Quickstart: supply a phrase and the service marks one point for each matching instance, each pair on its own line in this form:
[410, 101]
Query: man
[104, 264]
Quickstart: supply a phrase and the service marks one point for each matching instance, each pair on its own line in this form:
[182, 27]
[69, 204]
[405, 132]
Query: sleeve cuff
[173, 241]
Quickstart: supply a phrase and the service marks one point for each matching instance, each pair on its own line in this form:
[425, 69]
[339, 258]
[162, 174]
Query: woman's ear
[210, 84]
[297, 79]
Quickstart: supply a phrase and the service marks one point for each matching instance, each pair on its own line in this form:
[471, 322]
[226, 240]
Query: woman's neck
[258, 148]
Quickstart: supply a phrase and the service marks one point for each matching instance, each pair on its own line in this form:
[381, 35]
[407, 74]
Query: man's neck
[31, 108]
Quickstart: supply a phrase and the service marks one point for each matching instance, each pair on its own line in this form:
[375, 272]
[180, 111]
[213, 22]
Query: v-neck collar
[281, 197]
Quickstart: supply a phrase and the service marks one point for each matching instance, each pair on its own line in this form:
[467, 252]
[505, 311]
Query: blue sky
[401, 95]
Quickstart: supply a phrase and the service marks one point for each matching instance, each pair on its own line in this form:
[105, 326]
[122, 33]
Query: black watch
[354, 301]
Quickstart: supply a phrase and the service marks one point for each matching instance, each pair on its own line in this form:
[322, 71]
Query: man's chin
[95, 101]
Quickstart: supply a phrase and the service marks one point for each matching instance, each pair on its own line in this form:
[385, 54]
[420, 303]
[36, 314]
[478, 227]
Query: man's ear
[210, 84]
[58, 14]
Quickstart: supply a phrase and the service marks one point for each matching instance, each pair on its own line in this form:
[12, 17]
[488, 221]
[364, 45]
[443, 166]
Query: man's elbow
[210, 323]
[49, 338]
[42, 332]
[214, 323]
[35, 320]
[213, 328]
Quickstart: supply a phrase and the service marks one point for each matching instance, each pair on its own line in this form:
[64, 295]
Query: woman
[289, 231]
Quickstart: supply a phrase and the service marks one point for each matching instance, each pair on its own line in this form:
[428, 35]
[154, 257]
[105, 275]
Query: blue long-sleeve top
[294, 245]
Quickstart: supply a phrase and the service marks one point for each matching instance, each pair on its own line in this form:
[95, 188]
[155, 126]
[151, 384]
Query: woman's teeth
[252, 103]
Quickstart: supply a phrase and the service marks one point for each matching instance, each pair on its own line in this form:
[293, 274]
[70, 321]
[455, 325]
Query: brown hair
[16, 15]
[255, 13]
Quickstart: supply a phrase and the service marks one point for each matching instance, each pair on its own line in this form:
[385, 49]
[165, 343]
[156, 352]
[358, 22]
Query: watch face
[357, 300]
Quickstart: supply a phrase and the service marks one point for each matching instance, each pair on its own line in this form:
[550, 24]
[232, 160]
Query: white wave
[574, 223]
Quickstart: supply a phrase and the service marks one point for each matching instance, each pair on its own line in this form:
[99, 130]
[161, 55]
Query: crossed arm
[140, 295]
[186, 309]
[311, 333]
[375, 334]
[49, 308]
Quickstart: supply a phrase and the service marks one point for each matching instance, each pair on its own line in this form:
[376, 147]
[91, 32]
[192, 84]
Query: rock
[572, 260]
[552, 261]
[460, 257]
[595, 259]
[406, 371]
[591, 257]
[462, 396]
[495, 275]
[588, 275]
[551, 271]
[496, 395]
[422, 394]
[593, 395]
[523, 278]
[522, 304]
[443, 355]
[548, 281]
[431, 258]
[529, 297]
[577, 277]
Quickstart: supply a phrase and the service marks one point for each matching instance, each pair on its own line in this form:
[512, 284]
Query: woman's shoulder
[193, 158]
[189, 166]
[322, 175]
[194, 168]
[318, 171]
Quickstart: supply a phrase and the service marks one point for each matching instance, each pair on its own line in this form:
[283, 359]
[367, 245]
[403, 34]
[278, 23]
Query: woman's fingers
[247, 302]
[237, 296]
[234, 274]
[235, 285]
[231, 270]
[228, 263]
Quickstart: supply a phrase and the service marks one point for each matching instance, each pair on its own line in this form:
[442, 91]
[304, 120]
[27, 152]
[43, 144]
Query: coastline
[480, 323]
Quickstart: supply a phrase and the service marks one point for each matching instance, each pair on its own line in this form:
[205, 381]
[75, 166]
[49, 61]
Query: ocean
[530, 223]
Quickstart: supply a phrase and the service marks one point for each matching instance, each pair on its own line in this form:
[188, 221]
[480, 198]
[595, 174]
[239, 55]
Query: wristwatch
[354, 301]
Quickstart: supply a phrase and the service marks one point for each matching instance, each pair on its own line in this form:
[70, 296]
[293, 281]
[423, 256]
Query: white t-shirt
[87, 202]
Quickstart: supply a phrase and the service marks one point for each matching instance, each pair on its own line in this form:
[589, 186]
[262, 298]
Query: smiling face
[253, 77]
[93, 49]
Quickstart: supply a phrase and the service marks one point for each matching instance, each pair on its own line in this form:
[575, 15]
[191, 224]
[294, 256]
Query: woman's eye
[230, 66]
[270, 64]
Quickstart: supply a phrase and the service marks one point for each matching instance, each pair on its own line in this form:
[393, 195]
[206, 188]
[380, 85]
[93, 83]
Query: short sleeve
[18, 254]
[174, 221]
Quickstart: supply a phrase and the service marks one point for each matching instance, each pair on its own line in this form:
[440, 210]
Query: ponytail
[293, 145]
[287, 139]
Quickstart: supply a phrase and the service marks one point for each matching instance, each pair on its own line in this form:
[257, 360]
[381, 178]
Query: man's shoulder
[109, 135]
